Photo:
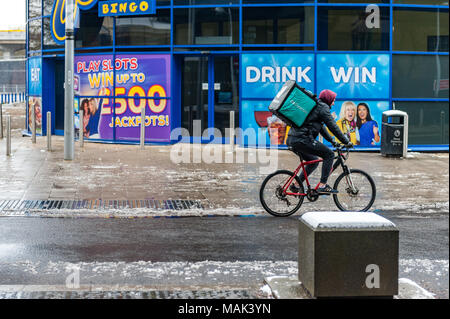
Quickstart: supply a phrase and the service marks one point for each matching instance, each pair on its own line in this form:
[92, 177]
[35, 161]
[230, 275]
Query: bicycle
[357, 190]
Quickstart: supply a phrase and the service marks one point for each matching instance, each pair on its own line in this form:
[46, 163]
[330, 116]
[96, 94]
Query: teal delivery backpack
[293, 104]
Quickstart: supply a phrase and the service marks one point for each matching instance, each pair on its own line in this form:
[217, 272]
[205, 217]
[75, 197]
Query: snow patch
[345, 220]
[413, 290]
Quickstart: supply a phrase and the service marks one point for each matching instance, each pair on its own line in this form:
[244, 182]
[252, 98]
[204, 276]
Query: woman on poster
[86, 116]
[368, 128]
[347, 121]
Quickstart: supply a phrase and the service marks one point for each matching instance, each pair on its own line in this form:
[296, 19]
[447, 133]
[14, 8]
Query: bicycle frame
[340, 162]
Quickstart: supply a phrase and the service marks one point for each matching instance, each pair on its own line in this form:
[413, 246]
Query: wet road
[231, 251]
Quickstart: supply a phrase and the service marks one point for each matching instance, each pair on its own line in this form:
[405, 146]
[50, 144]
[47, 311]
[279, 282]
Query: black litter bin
[394, 133]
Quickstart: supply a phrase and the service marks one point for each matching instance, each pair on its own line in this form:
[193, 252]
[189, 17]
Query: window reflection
[94, 31]
[206, 26]
[419, 30]
[420, 76]
[148, 30]
[271, 25]
[34, 35]
[34, 9]
[352, 29]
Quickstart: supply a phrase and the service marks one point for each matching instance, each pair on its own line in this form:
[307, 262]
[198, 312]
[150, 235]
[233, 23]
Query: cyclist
[303, 141]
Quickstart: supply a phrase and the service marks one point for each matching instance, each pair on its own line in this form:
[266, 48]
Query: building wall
[413, 34]
[12, 61]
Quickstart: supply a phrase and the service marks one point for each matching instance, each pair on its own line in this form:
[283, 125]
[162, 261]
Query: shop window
[145, 30]
[34, 9]
[274, 1]
[354, 1]
[160, 3]
[428, 122]
[49, 42]
[94, 31]
[203, 2]
[419, 76]
[34, 35]
[206, 26]
[353, 29]
[428, 2]
[420, 30]
[278, 25]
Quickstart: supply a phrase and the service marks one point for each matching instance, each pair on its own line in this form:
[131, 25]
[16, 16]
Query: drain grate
[220, 294]
[99, 204]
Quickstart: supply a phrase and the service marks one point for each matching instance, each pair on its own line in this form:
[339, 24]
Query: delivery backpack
[293, 104]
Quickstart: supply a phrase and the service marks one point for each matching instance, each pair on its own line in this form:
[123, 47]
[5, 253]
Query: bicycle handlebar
[341, 147]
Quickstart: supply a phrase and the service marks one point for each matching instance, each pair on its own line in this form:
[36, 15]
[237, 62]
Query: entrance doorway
[209, 91]
[59, 96]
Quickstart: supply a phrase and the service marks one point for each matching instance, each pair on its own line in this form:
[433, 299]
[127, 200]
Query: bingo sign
[105, 8]
[140, 81]
[126, 7]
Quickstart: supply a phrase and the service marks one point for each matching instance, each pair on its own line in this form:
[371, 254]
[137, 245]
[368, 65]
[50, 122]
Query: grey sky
[12, 14]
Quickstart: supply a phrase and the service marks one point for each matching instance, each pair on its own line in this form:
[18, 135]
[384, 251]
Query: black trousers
[311, 151]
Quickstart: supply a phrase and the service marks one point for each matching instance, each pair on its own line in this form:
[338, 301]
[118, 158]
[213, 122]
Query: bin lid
[346, 220]
[395, 113]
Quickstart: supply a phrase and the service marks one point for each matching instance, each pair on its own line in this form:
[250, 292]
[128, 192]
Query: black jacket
[317, 122]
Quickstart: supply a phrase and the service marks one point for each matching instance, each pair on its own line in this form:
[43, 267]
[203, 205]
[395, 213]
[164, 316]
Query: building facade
[12, 64]
[191, 62]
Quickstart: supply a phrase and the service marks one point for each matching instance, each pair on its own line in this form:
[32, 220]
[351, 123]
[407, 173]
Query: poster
[141, 81]
[263, 75]
[354, 76]
[360, 121]
[35, 76]
[363, 79]
[35, 105]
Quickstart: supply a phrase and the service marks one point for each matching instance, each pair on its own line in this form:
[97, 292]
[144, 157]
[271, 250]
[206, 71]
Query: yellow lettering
[108, 79]
[94, 80]
[157, 89]
[143, 6]
[133, 7]
[114, 7]
[122, 102]
[123, 7]
[118, 122]
[136, 90]
[105, 8]
[161, 120]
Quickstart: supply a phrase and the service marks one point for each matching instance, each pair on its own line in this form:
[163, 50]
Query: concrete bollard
[81, 114]
[8, 135]
[142, 142]
[348, 254]
[49, 131]
[232, 130]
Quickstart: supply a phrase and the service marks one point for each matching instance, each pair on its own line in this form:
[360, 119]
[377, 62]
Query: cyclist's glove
[349, 145]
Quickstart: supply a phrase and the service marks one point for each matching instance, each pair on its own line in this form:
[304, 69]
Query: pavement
[110, 180]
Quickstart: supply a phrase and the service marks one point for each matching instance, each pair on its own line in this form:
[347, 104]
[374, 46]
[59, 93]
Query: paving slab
[288, 287]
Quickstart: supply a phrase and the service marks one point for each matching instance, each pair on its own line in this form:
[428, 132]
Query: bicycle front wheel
[357, 191]
[272, 198]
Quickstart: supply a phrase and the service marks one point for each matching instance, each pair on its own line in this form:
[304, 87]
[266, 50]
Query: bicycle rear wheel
[357, 191]
[272, 198]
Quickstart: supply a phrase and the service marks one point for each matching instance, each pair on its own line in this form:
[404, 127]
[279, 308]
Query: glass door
[226, 92]
[209, 91]
[195, 93]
